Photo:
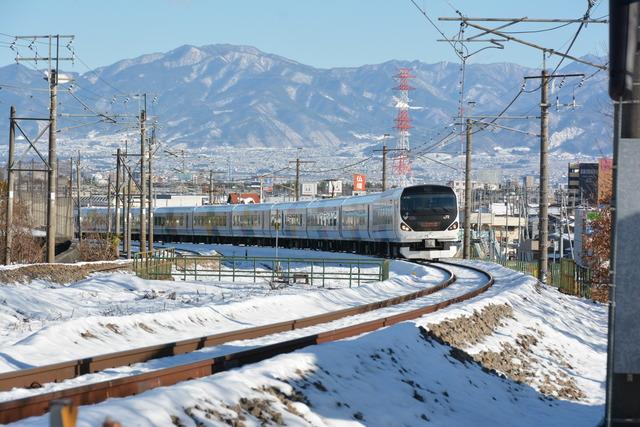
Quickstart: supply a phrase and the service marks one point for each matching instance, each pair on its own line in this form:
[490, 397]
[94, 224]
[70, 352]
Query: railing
[166, 263]
[566, 275]
[154, 265]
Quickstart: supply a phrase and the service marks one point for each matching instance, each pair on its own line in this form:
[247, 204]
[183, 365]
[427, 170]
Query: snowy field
[542, 354]
[117, 311]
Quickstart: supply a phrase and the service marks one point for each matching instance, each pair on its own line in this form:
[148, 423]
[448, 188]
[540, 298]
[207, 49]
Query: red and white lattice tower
[401, 163]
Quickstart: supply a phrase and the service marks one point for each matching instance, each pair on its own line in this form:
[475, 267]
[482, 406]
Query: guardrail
[167, 263]
[566, 275]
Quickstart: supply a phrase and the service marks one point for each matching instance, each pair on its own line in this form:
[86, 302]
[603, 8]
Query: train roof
[175, 209]
[252, 207]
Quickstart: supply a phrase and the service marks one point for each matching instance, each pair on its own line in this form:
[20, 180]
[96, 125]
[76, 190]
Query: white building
[308, 190]
[172, 200]
[332, 188]
[458, 188]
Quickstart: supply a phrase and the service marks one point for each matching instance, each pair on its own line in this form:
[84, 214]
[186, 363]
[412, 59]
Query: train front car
[428, 223]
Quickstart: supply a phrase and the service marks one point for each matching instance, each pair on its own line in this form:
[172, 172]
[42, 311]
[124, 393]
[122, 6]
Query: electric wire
[339, 168]
[424, 13]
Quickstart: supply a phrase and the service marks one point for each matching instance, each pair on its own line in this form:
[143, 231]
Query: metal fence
[566, 275]
[31, 190]
[167, 263]
[156, 265]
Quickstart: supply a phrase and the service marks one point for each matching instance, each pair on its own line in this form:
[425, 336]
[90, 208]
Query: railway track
[15, 410]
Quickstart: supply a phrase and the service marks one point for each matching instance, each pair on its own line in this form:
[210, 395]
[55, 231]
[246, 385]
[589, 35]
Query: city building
[174, 200]
[583, 183]
[458, 188]
[243, 198]
[330, 188]
[308, 190]
[528, 182]
[580, 234]
[605, 180]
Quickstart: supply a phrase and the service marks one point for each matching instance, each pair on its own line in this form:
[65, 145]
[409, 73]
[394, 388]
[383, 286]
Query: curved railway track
[17, 409]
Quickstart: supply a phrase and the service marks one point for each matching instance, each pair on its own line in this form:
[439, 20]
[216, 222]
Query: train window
[428, 208]
[356, 218]
[293, 220]
[382, 215]
[323, 219]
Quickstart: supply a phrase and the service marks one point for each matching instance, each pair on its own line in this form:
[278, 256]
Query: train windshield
[428, 208]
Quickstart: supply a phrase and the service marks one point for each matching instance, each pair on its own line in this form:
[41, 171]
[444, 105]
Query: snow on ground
[469, 281]
[559, 341]
[405, 375]
[43, 323]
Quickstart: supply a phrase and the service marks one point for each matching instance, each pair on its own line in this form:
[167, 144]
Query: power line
[23, 88]
[424, 13]
[575, 37]
[341, 167]
[539, 31]
[99, 76]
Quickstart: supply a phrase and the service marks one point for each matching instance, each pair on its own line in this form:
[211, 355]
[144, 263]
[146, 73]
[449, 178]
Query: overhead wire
[544, 30]
[339, 168]
[522, 90]
[424, 13]
[587, 13]
[92, 71]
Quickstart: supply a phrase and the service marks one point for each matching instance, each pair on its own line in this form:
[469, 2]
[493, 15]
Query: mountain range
[227, 95]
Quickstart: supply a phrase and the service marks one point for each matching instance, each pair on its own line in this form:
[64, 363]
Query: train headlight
[453, 226]
[405, 227]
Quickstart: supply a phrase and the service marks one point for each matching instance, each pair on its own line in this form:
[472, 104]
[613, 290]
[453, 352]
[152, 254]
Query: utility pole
[117, 202]
[466, 251]
[544, 105]
[78, 188]
[143, 183]
[125, 212]
[298, 162]
[384, 162]
[53, 60]
[9, 213]
[53, 167]
[152, 143]
[543, 205]
[211, 187]
[211, 173]
[109, 205]
[384, 167]
[297, 179]
[129, 217]
[561, 224]
[384, 152]
[506, 223]
[623, 363]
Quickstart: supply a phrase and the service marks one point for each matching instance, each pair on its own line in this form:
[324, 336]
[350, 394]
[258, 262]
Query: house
[243, 198]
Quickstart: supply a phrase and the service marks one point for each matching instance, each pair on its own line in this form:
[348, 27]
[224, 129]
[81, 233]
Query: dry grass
[95, 247]
[56, 273]
[203, 263]
[25, 248]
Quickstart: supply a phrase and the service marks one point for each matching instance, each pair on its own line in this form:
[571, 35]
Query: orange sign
[359, 182]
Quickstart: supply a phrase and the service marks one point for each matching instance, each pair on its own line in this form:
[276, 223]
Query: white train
[420, 221]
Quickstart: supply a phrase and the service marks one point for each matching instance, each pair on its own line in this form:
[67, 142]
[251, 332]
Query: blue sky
[327, 33]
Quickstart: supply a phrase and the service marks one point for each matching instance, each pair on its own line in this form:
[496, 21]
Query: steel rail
[15, 410]
[37, 376]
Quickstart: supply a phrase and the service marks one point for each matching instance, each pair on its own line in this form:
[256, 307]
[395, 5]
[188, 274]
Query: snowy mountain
[225, 95]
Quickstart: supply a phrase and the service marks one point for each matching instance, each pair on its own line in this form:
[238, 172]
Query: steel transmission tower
[401, 163]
